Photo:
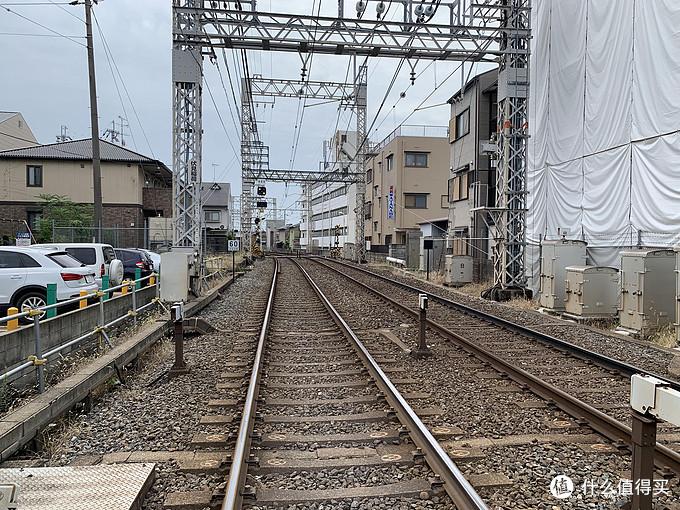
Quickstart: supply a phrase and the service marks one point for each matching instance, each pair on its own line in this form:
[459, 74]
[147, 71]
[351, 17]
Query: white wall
[604, 115]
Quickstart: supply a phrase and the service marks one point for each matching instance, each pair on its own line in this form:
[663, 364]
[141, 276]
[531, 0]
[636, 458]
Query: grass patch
[666, 337]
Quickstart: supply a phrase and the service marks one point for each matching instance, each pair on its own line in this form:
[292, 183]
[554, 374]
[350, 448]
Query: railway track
[323, 423]
[591, 389]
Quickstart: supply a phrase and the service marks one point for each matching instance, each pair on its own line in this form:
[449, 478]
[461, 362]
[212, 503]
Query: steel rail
[456, 485]
[604, 424]
[238, 471]
[581, 352]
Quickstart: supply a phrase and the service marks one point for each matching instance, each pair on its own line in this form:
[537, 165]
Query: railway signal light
[262, 191]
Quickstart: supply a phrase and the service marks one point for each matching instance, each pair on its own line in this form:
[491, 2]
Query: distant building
[134, 189]
[331, 205]
[14, 132]
[405, 184]
[216, 202]
[472, 178]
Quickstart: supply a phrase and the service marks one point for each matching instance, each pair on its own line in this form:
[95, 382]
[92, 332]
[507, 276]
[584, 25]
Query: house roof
[470, 83]
[7, 115]
[77, 150]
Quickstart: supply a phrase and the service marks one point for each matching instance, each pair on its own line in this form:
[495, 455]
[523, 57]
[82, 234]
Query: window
[369, 175]
[415, 200]
[343, 138]
[389, 162]
[34, 176]
[32, 218]
[375, 191]
[85, 255]
[368, 209]
[28, 261]
[109, 254]
[65, 260]
[416, 159]
[462, 124]
[444, 201]
[9, 259]
[212, 216]
[458, 187]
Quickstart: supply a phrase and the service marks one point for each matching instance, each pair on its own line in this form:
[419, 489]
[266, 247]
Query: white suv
[96, 256]
[25, 273]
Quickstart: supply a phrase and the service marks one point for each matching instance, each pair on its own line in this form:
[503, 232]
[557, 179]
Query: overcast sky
[45, 78]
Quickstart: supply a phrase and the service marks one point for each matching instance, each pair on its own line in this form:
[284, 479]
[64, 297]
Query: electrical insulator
[380, 8]
[429, 10]
[419, 10]
[361, 6]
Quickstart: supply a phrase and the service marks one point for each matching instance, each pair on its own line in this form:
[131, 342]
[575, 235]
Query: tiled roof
[77, 150]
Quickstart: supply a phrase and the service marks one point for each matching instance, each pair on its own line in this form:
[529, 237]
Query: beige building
[134, 187]
[14, 132]
[406, 183]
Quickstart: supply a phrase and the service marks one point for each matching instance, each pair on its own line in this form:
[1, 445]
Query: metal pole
[427, 264]
[134, 304]
[644, 442]
[177, 316]
[38, 354]
[423, 350]
[233, 266]
[94, 121]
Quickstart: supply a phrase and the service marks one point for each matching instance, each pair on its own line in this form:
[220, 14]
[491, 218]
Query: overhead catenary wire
[70, 38]
[125, 89]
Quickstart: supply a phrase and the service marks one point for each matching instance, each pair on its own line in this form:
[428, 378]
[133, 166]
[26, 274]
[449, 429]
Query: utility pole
[94, 121]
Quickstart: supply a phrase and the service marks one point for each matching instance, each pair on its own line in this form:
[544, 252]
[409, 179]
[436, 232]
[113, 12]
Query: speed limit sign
[233, 245]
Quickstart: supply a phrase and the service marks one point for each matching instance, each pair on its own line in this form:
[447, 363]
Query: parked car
[97, 256]
[155, 258]
[25, 273]
[133, 259]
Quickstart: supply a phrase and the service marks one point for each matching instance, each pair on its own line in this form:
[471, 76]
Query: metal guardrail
[39, 359]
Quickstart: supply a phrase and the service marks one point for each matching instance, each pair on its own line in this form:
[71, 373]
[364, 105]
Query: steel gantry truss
[478, 30]
[187, 75]
[255, 168]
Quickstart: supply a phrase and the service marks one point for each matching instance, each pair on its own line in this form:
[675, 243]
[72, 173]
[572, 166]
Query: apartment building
[406, 182]
[472, 178]
[329, 207]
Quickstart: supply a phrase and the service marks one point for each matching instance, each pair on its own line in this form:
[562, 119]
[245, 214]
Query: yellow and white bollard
[83, 302]
[124, 290]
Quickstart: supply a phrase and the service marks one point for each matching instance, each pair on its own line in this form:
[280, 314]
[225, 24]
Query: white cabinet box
[647, 290]
[592, 292]
[458, 269]
[556, 256]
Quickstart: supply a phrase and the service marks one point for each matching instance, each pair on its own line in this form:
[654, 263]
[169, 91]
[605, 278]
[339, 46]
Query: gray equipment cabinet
[458, 269]
[592, 292]
[556, 256]
[647, 290]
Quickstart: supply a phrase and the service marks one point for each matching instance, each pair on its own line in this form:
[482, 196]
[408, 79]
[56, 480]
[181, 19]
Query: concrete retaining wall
[16, 346]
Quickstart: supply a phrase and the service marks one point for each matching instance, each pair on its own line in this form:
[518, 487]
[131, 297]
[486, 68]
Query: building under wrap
[604, 118]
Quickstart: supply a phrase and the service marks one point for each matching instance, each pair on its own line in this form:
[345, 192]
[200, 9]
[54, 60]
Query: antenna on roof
[64, 136]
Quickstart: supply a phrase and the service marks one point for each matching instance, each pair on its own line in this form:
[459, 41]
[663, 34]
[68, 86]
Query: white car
[25, 273]
[97, 256]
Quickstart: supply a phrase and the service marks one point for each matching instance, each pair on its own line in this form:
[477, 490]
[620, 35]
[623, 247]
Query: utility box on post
[592, 292]
[175, 276]
[458, 270]
[647, 290]
[555, 258]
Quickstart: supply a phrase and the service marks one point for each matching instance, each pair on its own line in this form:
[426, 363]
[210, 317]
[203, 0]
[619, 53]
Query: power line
[125, 89]
[72, 39]
[113, 75]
